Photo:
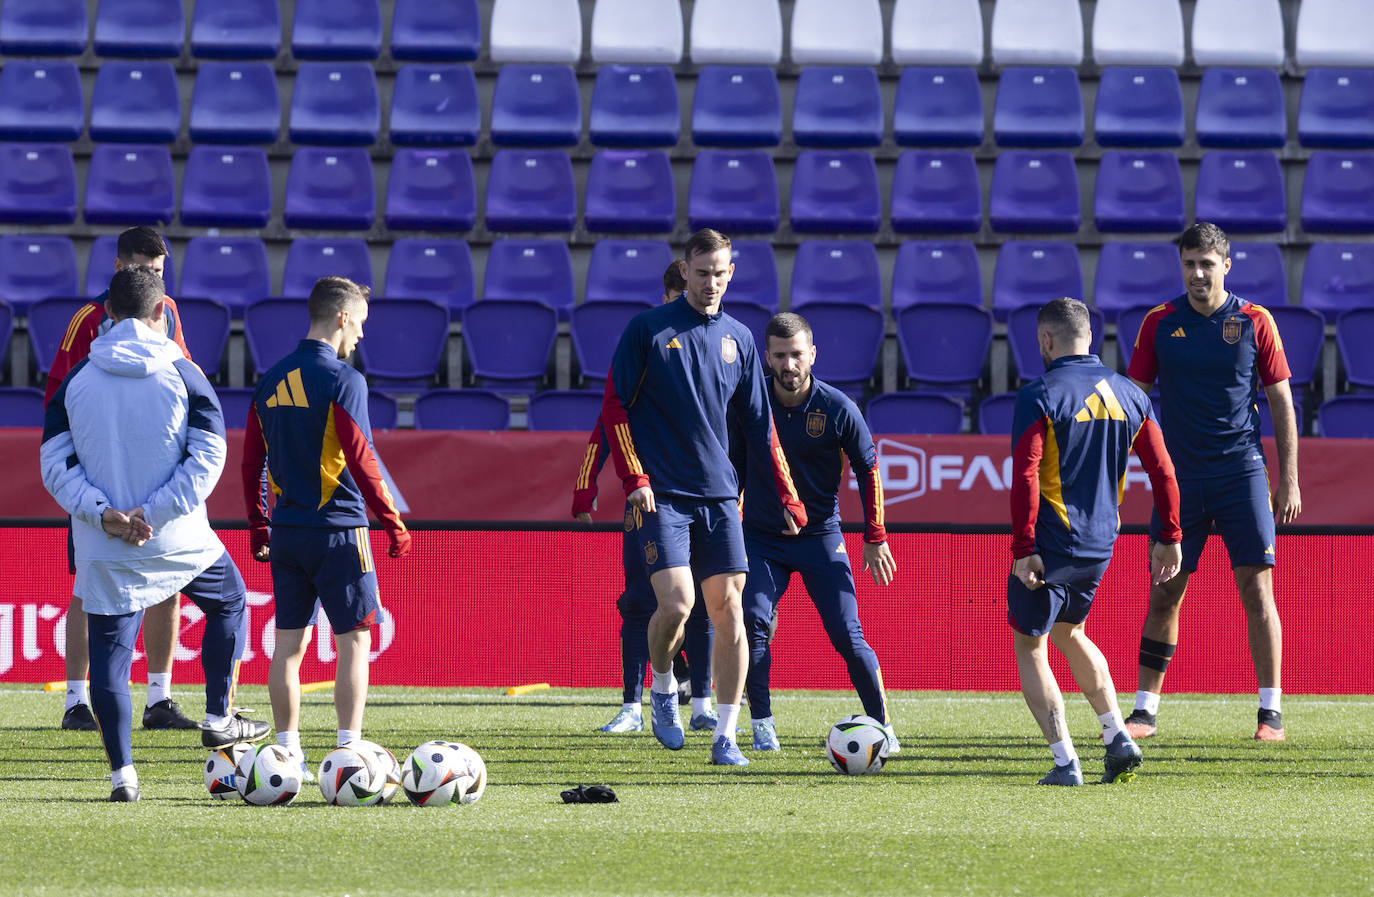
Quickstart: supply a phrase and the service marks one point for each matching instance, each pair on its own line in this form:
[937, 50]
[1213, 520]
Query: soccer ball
[443, 772]
[390, 769]
[268, 775]
[219, 771]
[352, 776]
[857, 746]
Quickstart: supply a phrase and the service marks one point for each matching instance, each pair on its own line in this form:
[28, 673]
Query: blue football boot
[765, 736]
[726, 753]
[1068, 774]
[625, 721]
[1123, 756]
[666, 722]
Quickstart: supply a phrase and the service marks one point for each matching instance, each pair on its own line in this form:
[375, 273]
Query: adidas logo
[290, 392]
[839, 549]
[673, 344]
[1270, 549]
[1101, 405]
[1179, 333]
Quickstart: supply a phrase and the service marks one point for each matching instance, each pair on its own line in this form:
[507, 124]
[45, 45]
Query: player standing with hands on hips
[677, 375]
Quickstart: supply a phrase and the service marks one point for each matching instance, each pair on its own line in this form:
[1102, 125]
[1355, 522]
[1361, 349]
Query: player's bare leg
[1046, 704]
[76, 713]
[1256, 586]
[284, 689]
[350, 679]
[1094, 678]
[161, 623]
[1157, 641]
[675, 594]
[729, 661]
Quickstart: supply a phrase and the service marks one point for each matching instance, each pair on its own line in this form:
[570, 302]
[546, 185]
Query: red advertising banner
[484, 608]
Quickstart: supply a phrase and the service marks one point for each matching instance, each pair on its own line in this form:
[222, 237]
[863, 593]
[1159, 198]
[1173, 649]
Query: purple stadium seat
[753, 316]
[532, 270]
[34, 267]
[733, 190]
[1256, 274]
[1133, 274]
[1354, 332]
[1128, 322]
[1025, 346]
[1347, 417]
[41, 99]
[1038, 106]
[337, 29]
[436, 30]
[1241, 191]
[226, 186]
[383, 411]
[632, 270]
[6, 328]
[996, 413]
[235, 102]
[936, 272]
[43, 27]
[135, 102]
[205, 328]
[836, 271]
[246, 29]
[536, 105]
[235, 402]
[631, 191]
[310, 258]
[945, 344]
[531, 190]
[462, 409]
[938, 106]
[431, 189]
[1139, 106]
[130, 183]
[1338, 192]
[330, 188]
[1338, 277]
[1304, 334]
[595, 327]
[100, 266]
[48, 320]
[835, 191]
[837, 106]
[1034, 191]
[915, 412]
[405, 342]
[141, 29]
[1033, 272]
[1337, 108]
[756, 274]
[430, 268]
[575, 410]
[435, 105]
[335, 104]
[1241, 107]
[272, 327]
[231, 270]
[508, 342]
[37, 183]
[635, 105]
[737, 105]
[848, 338]
[936, 191]
[21, 406]
[1138, 190]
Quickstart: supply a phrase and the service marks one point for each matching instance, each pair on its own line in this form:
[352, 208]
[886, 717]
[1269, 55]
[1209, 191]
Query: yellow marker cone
[526, 689]
[316, 686]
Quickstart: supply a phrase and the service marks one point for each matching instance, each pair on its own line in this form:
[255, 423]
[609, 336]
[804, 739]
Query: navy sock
[634, 656]
[696, 644]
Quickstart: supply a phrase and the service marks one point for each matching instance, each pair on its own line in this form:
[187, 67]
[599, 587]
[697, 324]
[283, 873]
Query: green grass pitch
[957, 812]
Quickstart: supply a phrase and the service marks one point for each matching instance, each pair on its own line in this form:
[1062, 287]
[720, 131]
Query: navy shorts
[1237, 507]
[331, 567]
[1066, 596]
[704, 535]
[638, 601]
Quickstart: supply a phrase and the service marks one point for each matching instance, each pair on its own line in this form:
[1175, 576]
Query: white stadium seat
[637, 31]
[1238, 32]
[1335, 32]
[1138, 32]
[825, 32]
[937, 32]
[1037, 32]
[536, 31]
[736, 32]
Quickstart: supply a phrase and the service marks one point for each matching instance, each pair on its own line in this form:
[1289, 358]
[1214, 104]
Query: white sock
[664, 683]
[1063, 751]
[347, 735]
[125, 775]
[76, 693]
[1112, 724]
[1147, 701]
[159, 687]
[291, 740]
[729, 715]
[701, 706]
[631, 708]
[215, 722]
[1270, 699]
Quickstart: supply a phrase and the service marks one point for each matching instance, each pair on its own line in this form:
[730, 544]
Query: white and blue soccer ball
[359, 774]
[219, 771]
[390, 768]
[440, 773]
[857, 745]
[268, 775]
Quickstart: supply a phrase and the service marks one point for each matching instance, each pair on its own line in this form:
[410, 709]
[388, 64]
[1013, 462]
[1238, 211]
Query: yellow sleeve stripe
[786, 473]
[584, 473]
[879, 512]
[627, 448]
[75, 324]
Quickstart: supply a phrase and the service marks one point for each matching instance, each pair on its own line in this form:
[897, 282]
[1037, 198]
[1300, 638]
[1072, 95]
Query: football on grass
[219, 771]
[268, 775]
[352, 776]
[439, 773]
[857, 746]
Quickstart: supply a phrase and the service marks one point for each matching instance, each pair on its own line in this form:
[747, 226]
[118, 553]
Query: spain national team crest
[650, 553]
[815, 424]
[729, 349]
[1230, 331]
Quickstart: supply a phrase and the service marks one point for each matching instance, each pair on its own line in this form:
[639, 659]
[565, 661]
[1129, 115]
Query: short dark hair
[1066, 317]
[333, 294]
[673, 281]
[704, 241]
[142, 241]
[786, 325]
[135, 290]
[1204, 236]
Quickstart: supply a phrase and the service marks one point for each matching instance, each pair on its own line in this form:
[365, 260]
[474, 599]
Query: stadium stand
[135, 102]
[995, 413]
[634, 105]
[383, 411]
[337, 29]
[37, 183]
[1034, 192]
[736, 32]
[1037, 32]
[736, 105]
[21, 406]
[436, 30]
[936, 191]
[434, 268]
[235, 102]
[734, 191]
[1128, 322]
[1132, 274]
[848, 338]
[1029, 270]
[936, 272]
[41, 99]
[226, 186]
[310, 258]
[937, 32]
[1257, 273]
[1241, 107]
[1338, 192]
[838, 106]
[534, 270]
[835, 191]
[461, 409]
[637, 31]
[47, 323]
[43, 27]
[820, 36]
[564, 409]
[1338, 277]
[34, 267]
[1336, 108]
[1332, 33]
[595, 327]
[330, 188]
[246, 29]
[431, 189]
[1138, 32]
[945, 345]
[536, 105]
[938, 106]
[1038, 106]
[1241, 191]
[232, 270]
[536, 31]
[836, 271]
[1138, 106]
[272, 328]
[205, 328]
[130, 183]
[627, 270]
[434, 105]
[631, 191]
[1138, 191]
[755, 280]
[6, 328]
[141, 29]
[1347, 417]
[531, 190]
[1238, 32]
[335, 104]
[405, 342]
[1025, 346]
[1354, 331]
[755, 317]
[915, 412]
[508, 343]
[234, 402]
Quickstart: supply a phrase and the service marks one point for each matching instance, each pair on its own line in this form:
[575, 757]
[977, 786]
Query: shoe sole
[1138, 731]
[1124, 775]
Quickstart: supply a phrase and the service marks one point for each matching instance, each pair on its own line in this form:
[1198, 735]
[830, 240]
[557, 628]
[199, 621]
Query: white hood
[133, 349]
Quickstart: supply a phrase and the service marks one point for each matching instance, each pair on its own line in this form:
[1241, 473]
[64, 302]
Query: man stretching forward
[1073, 430]
[678, 373]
